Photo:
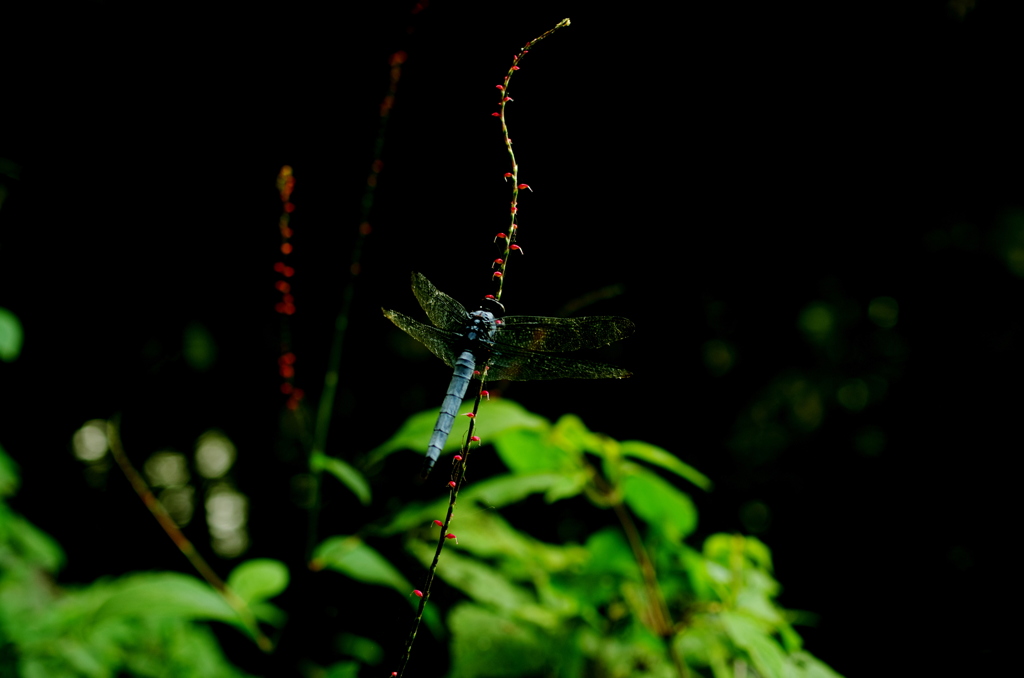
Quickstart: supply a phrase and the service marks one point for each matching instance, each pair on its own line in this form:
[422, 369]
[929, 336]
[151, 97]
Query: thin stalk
[513, 226]
[325, 407]
[182, 542]
[458, 477]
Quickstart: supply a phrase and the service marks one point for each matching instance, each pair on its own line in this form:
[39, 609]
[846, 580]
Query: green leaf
[8, 474]
[364, 649]
[658, 456]
[258, 579]
[167, 595]
[33, 544]
[758, 552]
[353, 558]
[658, 502]
[491, 493]
[11, 336]
[573, 435]
[811, 667]
[346, 473]
[508, 489]
[346, 669]
[764, 651]
[269, 613]
[610, 554]
[531, 451]
[494, 418]
[486, 643]
[475, 579]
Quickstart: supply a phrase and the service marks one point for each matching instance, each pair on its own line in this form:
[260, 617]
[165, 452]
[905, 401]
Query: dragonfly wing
[439, 341]
[539, 333]
[442, 310]
[515, 365]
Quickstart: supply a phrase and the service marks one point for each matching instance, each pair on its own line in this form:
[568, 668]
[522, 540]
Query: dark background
[726, 166]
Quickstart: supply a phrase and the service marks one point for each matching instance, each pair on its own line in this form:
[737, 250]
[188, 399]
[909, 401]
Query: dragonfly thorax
[481, 326]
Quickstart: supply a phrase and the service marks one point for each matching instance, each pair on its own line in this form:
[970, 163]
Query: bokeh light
[226, 516]
[817, 322]
[167, 469]
[89, 443]
[180, 503]
[215, 453]
[853, 395]
[718, 357]
[884, 311]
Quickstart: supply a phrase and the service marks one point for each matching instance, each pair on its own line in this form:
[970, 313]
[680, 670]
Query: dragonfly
[515, 347]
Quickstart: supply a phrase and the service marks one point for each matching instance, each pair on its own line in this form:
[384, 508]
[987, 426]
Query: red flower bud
[417, 593]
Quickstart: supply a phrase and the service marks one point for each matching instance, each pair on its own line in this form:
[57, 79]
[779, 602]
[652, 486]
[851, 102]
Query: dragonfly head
[492, 306]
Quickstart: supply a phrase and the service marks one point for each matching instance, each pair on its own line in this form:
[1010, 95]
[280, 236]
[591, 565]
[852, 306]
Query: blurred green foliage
[632, 600]
[143, 624]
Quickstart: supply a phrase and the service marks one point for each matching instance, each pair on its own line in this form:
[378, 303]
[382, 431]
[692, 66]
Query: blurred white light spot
[232, 545]
[167, 469]
[179, 502]
[225, 511]
[215, 454]
[226, 514]
[90, 442]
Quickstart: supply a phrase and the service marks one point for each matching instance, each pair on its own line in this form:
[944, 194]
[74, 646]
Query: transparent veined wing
[440, 342]
[539, 333]
[442, 310]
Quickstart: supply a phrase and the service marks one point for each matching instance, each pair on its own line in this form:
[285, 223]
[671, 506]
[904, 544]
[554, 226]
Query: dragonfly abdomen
[464, 366]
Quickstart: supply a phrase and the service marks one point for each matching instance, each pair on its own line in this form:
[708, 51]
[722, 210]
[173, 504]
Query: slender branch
[325, 407]
[458, 478]
[459, 472]
[182, 542]
[513, 226]
[660, 619]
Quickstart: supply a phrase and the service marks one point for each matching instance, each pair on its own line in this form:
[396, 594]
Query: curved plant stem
[325, 407]
[179, 539]
[459, 472]
[510, 237]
